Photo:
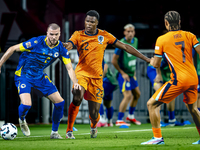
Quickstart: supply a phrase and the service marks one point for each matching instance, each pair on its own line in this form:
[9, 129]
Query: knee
[137, 95]
[94, 114]
[128, 97]
[77, 98]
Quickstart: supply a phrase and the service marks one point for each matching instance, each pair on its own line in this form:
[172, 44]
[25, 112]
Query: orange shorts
[93, 88]
[169, 92]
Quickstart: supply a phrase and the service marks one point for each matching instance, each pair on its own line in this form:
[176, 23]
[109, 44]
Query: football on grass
[8, 131]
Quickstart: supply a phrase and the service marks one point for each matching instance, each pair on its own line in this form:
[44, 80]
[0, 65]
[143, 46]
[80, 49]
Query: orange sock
[94, 122]
[72, 113]
[198, 129]
[157, 132]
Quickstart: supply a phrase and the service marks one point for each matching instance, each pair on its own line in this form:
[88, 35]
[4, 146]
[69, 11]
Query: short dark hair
[173, 17]
[93, 13]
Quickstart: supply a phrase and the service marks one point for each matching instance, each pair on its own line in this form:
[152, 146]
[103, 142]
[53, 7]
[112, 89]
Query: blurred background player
[91, 43]
[177, 46]
[37, 54]
[198, 73]
[125, 64]
[110, 84]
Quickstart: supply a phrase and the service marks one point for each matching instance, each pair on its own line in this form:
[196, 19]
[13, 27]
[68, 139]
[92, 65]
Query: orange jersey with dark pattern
[177, 48]
[91, 51]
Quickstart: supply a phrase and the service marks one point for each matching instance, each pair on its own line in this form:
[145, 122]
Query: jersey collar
[132, 41]
[48, 45]
[97, 31]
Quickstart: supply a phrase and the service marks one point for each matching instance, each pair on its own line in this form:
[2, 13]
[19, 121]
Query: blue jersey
[37, 55]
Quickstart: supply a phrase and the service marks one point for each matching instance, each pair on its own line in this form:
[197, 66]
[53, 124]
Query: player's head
[129, 31]
[91, 21]
[53, 34]
[172, 20]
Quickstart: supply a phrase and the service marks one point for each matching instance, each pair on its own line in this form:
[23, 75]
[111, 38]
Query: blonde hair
[129, 26]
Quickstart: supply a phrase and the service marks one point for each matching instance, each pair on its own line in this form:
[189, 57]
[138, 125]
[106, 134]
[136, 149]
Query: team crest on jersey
[100, 39]
[56, 54]
[28, 44]
[23, 86]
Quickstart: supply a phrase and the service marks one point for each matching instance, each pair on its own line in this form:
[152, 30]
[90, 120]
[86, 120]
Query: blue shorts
[125, 85]
[198, 87]
[151, 73]
[108, 89]
[44, 85]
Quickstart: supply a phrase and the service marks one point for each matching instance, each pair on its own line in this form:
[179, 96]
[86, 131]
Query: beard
[53, 42]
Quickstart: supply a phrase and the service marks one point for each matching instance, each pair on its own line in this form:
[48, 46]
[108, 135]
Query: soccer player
[125, 64]
[38, 53]
[91, 44]
[176, 45]
[110, 84]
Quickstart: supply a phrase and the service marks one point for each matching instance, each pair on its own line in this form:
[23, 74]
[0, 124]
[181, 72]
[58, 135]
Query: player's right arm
[72, 41]
[8, 53]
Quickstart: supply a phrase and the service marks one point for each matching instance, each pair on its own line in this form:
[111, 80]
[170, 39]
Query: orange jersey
[177, 48]
[91, 51]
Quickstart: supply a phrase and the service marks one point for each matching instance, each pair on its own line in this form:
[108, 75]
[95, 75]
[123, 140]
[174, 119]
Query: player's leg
[107, 100]
[24, 89]
[73, 110]
[133, 103]
[109, 112]
[171, 113]
[23, 109]
[154, 114]
[58, 102]
[128, 96]
[94, 117]
[165, 94]
[190, 99]
[198, 100]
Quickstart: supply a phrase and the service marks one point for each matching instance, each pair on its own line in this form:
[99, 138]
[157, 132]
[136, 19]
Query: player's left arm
[72, 76]
[131, 50]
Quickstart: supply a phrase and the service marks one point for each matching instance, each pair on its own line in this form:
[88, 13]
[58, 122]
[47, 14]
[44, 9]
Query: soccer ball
[8, 131]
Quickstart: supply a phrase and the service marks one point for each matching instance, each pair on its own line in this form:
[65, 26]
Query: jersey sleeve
[74, 38]
[65, 55]
[117, 51]
[111, 39]
[28, 45]
[195, 42]
[158, 48]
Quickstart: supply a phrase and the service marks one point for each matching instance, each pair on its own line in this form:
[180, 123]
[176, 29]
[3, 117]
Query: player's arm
[72, 76]
[131, 50]
[68, 45]
[156, 61]
[116, 65]
[197, 48]
[8, 53]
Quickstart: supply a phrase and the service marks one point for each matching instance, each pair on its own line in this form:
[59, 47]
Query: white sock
[52, 132]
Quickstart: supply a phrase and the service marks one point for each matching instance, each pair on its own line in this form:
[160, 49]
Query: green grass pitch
[108, 138]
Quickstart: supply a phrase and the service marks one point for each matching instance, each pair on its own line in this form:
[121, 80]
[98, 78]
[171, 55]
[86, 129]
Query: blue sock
[109, 112]
[120, 115]
[23, 110]
[101, 110]
[57, 115]
[131, 110]
[199, 109]
[171, 115]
